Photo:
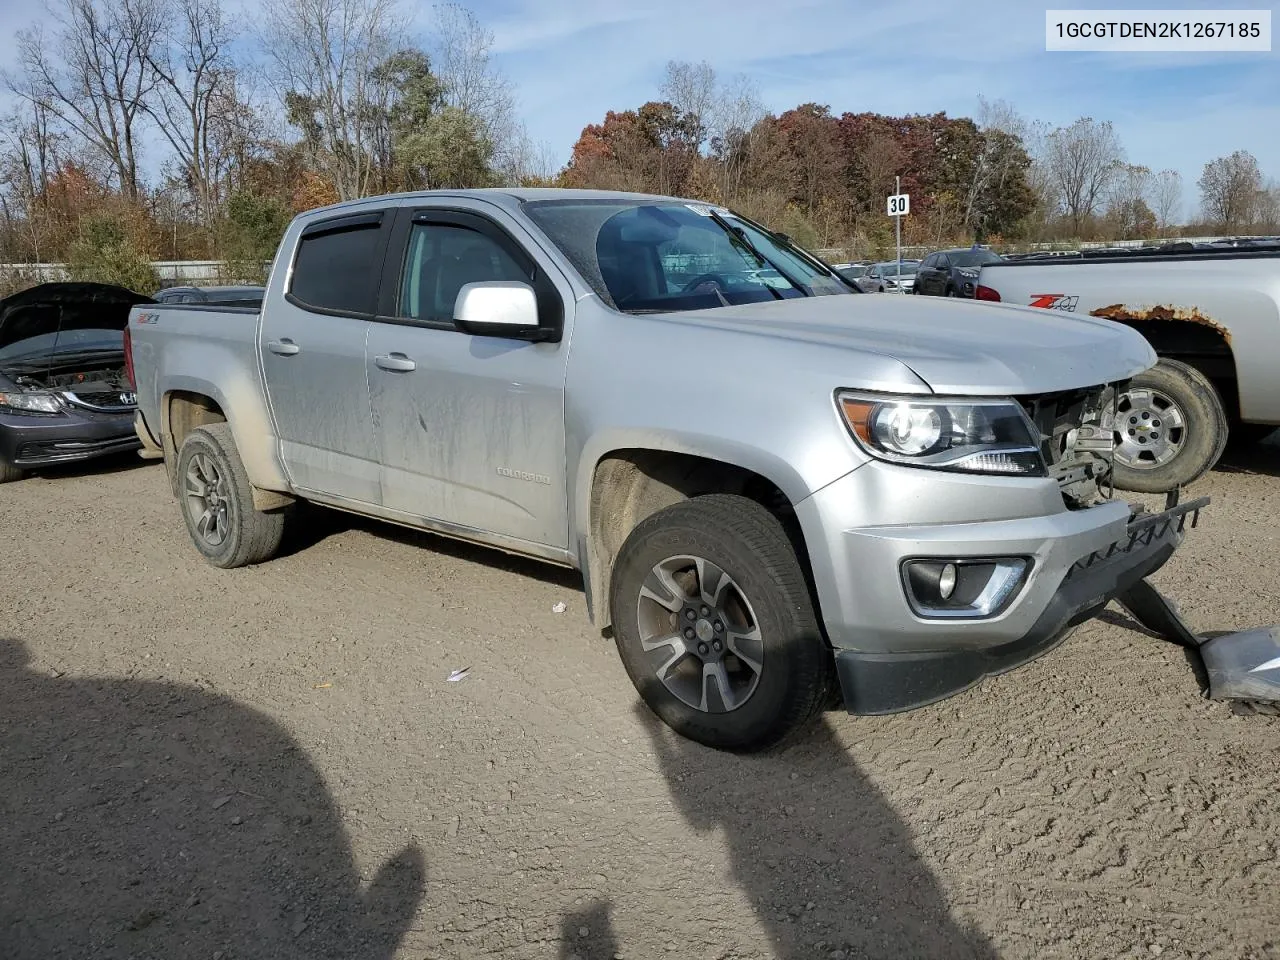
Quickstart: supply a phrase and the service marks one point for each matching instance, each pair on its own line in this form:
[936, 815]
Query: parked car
[1212, 317]
[244, 296]
[889, 277]
[902, 506]
[953, 273]
[853, 272]
[64, 393]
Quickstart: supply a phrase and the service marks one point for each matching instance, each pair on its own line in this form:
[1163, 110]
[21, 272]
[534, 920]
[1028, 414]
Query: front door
[313, 358]
[470, 429]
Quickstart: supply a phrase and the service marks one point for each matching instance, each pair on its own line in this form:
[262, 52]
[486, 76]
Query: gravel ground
[269, 762]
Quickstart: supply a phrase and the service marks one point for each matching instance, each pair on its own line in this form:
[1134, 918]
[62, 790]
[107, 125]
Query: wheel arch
[625, 485]
[189, 404]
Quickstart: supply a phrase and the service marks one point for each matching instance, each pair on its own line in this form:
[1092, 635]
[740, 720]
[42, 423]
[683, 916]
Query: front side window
[337, 270]
[441, 259]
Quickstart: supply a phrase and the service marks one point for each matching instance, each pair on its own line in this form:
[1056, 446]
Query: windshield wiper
[740, 236]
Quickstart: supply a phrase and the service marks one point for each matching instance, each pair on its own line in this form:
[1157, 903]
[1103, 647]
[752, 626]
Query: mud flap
[1240, 666]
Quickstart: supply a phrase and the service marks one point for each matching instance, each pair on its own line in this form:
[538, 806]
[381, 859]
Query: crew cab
[770, 484]
[1211, 313]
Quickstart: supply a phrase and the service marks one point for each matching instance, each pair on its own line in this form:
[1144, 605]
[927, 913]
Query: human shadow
[587, 934]
[156, 820]
[827, 864]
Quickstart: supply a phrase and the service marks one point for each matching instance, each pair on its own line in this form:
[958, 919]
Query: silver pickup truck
[1212, 315]
[774, 487]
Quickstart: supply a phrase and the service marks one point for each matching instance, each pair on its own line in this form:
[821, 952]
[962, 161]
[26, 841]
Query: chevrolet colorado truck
[1213, 317]
[777, 490]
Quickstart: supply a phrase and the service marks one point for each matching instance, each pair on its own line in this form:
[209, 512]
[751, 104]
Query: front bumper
[30, 442]
[889, 658]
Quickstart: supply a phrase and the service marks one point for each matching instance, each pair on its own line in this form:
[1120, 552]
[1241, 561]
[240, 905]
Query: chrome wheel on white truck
[1170, 428]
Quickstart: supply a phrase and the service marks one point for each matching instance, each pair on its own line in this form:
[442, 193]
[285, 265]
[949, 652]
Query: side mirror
[498, 308]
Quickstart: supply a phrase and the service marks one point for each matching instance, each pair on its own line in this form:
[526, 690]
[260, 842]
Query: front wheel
[715, 625]
[9, 473]
[217, 501]
[1170, 429]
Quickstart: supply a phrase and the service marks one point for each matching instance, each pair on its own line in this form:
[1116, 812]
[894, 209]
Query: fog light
[947, 581]
[963, 587]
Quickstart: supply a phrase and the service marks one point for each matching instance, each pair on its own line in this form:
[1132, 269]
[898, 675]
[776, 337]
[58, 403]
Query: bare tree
[1229, 189]
[93, 72]
[195, 85]
[1082, 159]
[692, 89]
[325, 55]
[462, 59]
[1166, 198]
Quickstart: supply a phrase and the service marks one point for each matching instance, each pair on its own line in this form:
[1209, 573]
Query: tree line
[157, 129]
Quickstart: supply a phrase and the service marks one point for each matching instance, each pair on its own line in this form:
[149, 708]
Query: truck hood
[58, 308]
[964, 347]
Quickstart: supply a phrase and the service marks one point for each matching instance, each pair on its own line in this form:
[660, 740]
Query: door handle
[396, 362]
[284, 347]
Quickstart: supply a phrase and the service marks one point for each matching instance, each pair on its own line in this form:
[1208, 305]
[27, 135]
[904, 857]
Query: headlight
[40, 404]
[971, 274]
[972, 436]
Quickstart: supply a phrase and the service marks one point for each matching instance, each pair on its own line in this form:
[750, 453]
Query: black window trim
[550, 302]
[377, 219]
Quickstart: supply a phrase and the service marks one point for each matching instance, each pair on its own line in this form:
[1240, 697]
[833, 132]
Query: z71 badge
[1054, 301]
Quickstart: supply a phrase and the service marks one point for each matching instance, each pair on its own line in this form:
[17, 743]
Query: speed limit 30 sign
[899, 205]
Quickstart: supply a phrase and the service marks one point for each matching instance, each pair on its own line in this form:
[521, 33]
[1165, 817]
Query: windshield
[852, 273]
[650, 257]
[891, 269]
[974, 258]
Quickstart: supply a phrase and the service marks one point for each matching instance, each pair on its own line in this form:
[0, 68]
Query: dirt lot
[269, 762]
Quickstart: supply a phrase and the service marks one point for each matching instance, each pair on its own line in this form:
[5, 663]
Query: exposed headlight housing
[969, 436]
[970, 273]
[34, 403]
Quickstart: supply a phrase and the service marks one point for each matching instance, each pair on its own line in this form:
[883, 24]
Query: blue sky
[571, 64]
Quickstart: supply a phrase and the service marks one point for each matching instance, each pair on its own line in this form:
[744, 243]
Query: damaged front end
[1078, 440]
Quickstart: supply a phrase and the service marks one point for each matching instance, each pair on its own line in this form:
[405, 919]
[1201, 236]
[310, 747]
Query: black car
[64, 392]
[245, 296]
[953, 273]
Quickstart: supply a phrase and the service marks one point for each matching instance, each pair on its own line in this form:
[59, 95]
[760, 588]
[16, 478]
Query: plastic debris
[459, 674]
[559, 607]
[322, 686]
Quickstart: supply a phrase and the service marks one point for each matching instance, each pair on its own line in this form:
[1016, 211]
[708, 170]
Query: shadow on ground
[826, 863]
[157, 820]
[1261, 457]
[310, 525]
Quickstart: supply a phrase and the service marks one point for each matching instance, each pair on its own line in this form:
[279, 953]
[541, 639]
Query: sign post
[899, 206]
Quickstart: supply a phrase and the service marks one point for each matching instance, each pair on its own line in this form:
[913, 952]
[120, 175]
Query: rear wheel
[1170, 429]
[715, 625]
[217, 501]
[9, 473]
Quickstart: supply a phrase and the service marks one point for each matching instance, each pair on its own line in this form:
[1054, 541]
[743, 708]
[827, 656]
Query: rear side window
[336, 268]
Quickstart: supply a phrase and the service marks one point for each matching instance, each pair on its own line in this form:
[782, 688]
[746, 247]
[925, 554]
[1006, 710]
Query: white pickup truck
[1213, 317]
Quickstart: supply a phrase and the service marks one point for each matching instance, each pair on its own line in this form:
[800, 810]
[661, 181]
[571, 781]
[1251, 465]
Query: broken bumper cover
[892, 656]
[30, 442]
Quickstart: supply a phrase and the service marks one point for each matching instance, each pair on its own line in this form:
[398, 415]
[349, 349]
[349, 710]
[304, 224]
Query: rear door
[313, 357]
[926, 276]
[470, 429]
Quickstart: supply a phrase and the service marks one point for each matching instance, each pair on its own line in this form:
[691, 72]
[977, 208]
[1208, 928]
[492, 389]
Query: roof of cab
[507, 196]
